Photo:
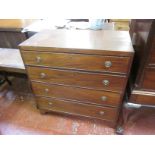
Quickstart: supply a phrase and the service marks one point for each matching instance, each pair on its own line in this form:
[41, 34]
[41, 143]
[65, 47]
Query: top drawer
[77, 61]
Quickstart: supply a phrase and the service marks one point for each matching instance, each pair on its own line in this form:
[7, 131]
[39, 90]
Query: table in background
[11, 32]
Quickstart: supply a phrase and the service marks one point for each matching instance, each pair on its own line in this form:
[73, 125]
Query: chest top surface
[103, 40]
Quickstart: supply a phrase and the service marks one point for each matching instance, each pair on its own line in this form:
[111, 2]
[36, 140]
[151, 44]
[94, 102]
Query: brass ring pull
[46, 90]
[50, 103]
[104, 98]
[108, 64]
[106, 82]
[101, 112]
[42, 75]
[38, 59]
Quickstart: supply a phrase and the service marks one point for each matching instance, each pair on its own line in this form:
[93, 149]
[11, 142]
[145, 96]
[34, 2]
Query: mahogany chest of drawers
[79, 72]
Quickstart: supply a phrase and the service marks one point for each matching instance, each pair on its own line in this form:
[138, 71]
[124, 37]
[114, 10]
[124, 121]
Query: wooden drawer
[149, 79]
[76, 108]
[143, 97]
[77, 61]
[78, 94]
[79, 79]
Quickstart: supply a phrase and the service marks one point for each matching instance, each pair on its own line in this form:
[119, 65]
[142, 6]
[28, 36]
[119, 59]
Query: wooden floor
[19, 115]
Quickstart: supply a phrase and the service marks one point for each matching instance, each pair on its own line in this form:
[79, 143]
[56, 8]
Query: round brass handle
[108, 64]
[50, 103]
[104, 98]
[42, 75]
[101, 112]
[46, 90]
[106, 82]
[38, 59]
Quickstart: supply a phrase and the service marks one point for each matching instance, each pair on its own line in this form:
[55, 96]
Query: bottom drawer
[143, 97]
[149, 79]
[76, 108]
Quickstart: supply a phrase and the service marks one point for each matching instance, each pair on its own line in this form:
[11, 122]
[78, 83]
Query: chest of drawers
[143, 91]
[79, 72]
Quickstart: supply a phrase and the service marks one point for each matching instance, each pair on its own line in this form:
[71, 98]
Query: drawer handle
[42, 75]
[104, 98]
[46, 90]
[50, 103]
[38, 59]
[101, 113]
[106, 82]
[108, 64]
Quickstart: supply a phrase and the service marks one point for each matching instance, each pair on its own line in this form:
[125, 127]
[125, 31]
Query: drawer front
[149, 79]
[77, 61]
[76, 78]
[78, 94]
[77, 108]
[147, 99]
